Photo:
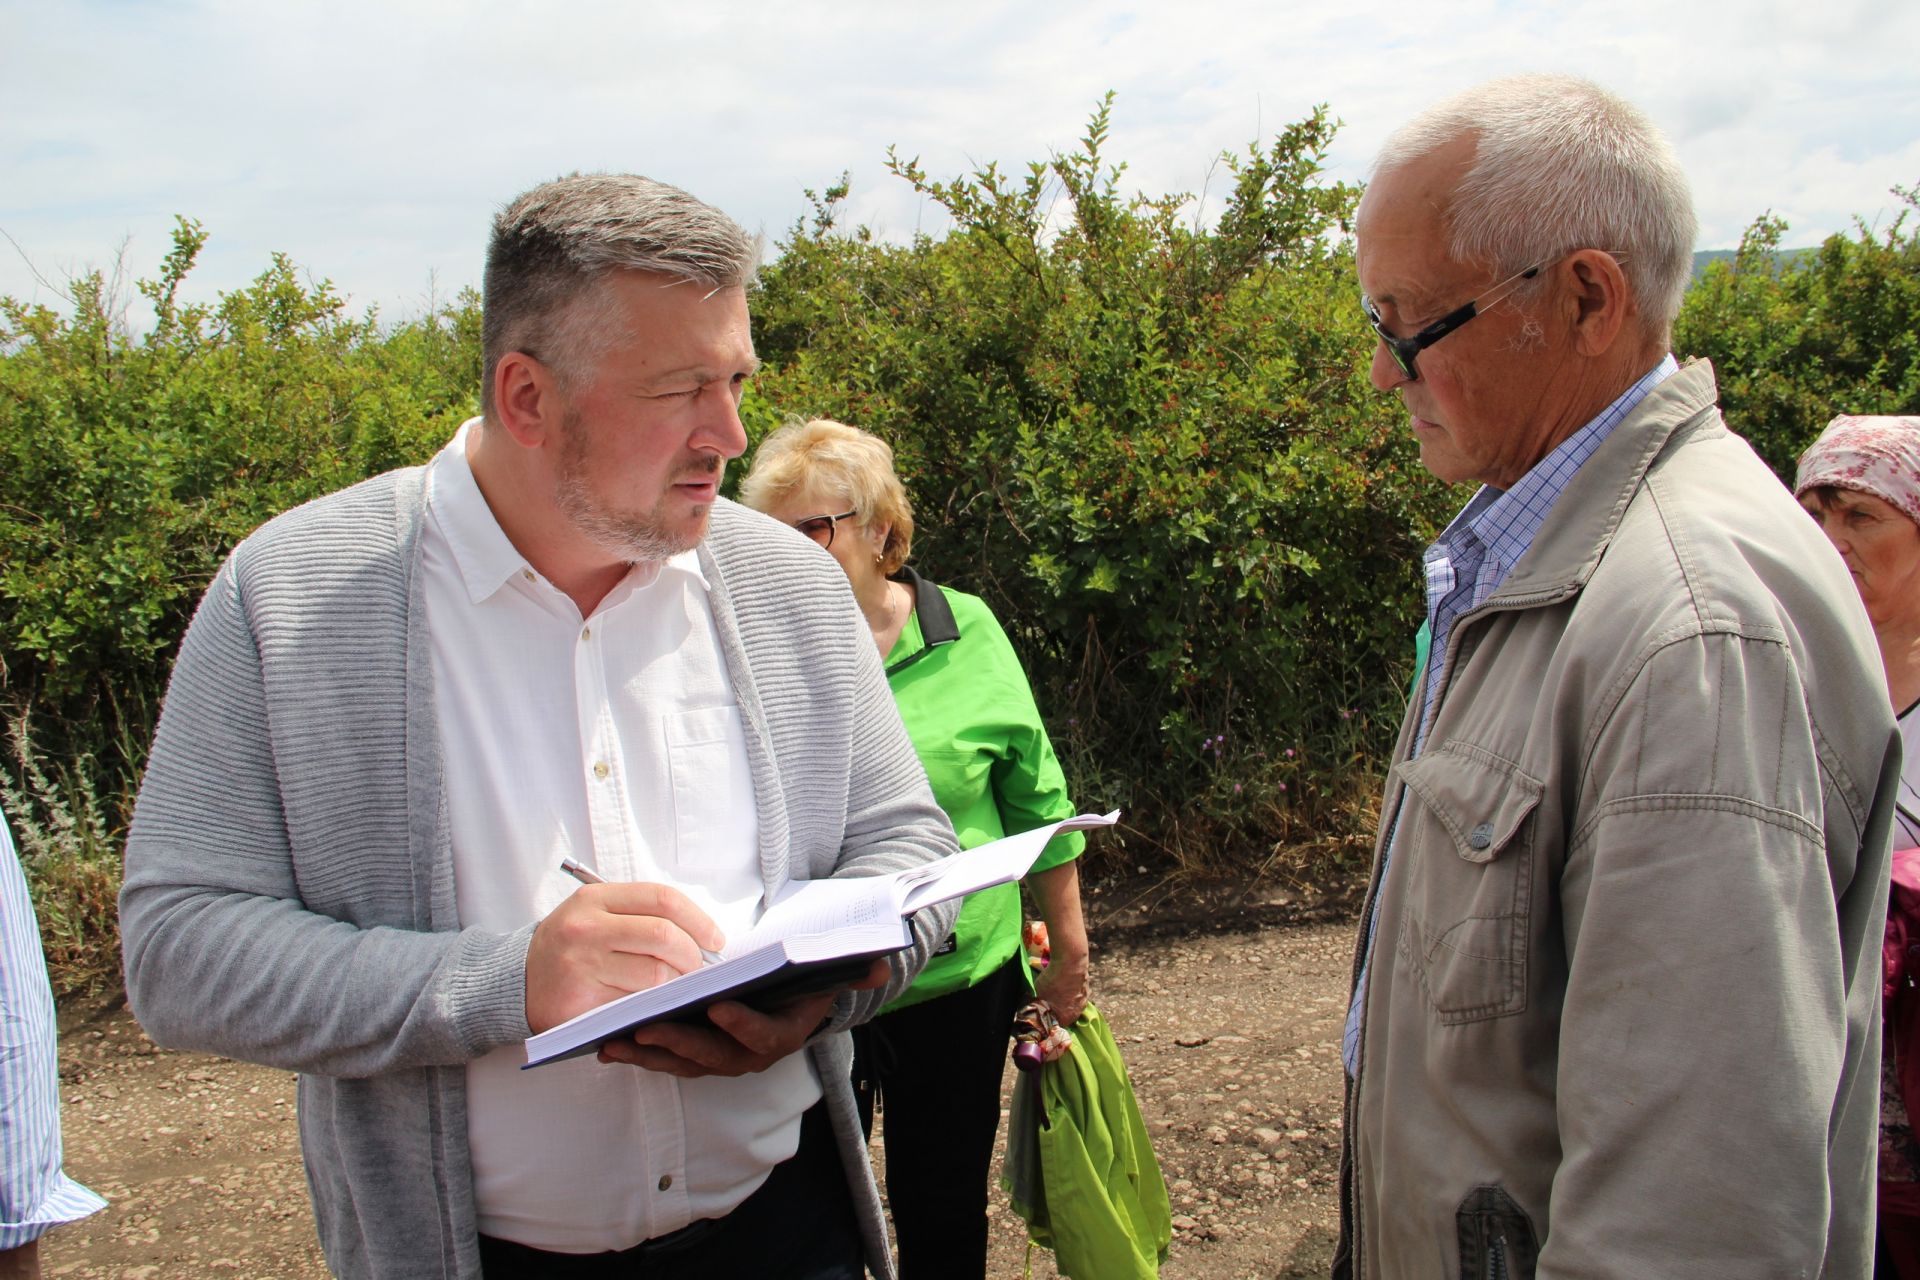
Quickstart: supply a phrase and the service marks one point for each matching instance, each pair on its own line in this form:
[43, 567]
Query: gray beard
[640, 538]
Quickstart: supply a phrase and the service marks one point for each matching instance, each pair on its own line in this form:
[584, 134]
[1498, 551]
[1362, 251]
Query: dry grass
[69, 840]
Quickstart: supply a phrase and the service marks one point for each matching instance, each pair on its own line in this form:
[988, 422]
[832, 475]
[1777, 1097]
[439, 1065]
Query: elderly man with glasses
[1614, 998]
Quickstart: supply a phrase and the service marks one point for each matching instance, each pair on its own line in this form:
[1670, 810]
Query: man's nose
[720, 428]
[1385, 373]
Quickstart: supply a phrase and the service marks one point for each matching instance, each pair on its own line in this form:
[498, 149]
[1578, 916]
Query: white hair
[1561, 164]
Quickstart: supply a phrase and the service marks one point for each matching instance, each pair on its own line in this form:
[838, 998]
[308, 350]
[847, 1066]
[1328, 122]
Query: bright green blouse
[973, 722]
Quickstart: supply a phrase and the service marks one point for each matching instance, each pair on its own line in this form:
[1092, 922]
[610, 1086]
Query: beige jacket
[1622, 1016]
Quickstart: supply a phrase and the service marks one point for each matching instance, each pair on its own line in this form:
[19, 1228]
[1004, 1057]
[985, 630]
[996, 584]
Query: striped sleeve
[34, 1193]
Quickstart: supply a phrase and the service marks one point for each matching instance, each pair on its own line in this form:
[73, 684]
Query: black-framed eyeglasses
[821, 528]
[1404, 350]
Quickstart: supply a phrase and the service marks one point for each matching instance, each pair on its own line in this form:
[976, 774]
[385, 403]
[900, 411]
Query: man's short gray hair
[1561, 164]
[553, 246]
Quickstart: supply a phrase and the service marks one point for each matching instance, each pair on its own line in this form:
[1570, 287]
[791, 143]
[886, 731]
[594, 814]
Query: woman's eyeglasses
[821, 528]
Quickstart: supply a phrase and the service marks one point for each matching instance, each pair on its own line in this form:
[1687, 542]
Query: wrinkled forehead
[1420, 189]
[1401, 231]
[1402, 262]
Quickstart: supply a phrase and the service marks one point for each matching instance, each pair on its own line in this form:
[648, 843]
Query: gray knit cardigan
[289, 890]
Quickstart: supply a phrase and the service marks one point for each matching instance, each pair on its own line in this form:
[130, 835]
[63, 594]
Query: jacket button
[1481, 836]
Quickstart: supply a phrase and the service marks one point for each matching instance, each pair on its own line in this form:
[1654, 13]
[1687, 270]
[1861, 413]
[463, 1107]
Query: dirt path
[1231, 1037]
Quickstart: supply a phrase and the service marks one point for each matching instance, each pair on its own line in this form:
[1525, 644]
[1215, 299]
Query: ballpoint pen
[587, 875]
[581, 872]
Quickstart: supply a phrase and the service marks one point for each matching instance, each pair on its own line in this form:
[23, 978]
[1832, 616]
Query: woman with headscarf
[936, 1055]
[1861, 481]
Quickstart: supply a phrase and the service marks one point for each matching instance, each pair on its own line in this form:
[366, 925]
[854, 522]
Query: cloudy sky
[372, 143]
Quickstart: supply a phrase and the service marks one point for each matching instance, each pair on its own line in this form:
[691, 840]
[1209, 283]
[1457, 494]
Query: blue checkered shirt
[1473, 556]
[34, 1193]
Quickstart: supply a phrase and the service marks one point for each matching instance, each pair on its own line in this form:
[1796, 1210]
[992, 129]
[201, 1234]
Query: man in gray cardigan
[400, 706]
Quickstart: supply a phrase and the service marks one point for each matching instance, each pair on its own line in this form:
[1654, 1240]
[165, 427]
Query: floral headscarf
[1878, 456]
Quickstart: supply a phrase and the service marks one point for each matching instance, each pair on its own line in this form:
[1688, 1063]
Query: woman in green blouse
[935, 1056]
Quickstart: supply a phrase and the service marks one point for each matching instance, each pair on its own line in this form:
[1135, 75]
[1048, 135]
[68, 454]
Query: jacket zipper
[1497, 1251]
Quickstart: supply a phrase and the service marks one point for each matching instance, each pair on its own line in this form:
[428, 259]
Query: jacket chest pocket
[1466, 858]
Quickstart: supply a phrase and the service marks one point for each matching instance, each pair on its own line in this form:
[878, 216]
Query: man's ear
[1602, 303]
[527, 401]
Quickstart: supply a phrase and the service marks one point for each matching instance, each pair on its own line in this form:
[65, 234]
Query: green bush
[135, 464]
[1796, 342]
[1152, 447]
[132, 465]
[1147, 441]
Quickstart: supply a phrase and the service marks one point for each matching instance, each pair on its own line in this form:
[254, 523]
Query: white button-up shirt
[616, 740]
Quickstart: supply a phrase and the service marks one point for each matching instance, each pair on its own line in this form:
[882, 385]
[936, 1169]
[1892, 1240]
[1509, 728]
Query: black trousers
[937, 1069]
[799, 1225]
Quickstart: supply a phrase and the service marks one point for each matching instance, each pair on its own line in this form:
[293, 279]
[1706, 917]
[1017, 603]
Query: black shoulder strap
[937, 626]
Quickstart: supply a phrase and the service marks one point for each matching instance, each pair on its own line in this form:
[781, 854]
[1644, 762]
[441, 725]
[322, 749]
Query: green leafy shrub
[1149, 442]
[133, 464]
[1152, 447]
[1794, 343]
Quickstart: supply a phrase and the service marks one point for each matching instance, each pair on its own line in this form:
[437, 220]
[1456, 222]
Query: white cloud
[373, 143]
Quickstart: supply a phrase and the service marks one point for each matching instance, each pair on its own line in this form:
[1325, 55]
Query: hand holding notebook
[817, 935]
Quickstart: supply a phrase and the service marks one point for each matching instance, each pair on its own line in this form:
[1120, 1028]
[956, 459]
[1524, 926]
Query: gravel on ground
[1226, 1003]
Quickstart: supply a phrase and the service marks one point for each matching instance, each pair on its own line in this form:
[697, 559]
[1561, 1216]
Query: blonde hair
[831, 456]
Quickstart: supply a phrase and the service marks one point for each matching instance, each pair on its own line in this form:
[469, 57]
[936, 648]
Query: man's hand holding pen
[641, 934]
[606, 940]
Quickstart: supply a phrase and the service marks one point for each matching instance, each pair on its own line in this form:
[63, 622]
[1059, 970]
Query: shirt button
[666, 1180]
[527, 574]
[600, 769]
[586, 633]
[1481, 836]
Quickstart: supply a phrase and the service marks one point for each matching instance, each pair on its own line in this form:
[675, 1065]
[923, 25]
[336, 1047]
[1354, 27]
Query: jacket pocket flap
[1479, 797]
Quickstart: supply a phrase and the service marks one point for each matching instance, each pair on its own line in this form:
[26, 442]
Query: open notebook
[815, 935]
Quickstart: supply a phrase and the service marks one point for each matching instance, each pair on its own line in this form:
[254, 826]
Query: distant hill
[1780, 257]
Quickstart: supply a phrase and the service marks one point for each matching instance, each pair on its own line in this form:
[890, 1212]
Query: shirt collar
[486, 558]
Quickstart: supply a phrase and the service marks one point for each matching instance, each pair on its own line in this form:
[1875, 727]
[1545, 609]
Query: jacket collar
[1588, 513]
[930, 606]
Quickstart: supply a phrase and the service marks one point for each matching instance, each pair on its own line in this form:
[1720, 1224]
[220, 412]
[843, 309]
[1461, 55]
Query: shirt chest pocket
[715, 820]
[1466, 853]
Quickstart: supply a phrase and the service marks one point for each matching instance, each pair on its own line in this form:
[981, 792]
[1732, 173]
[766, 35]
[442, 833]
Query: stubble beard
[644, 537]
